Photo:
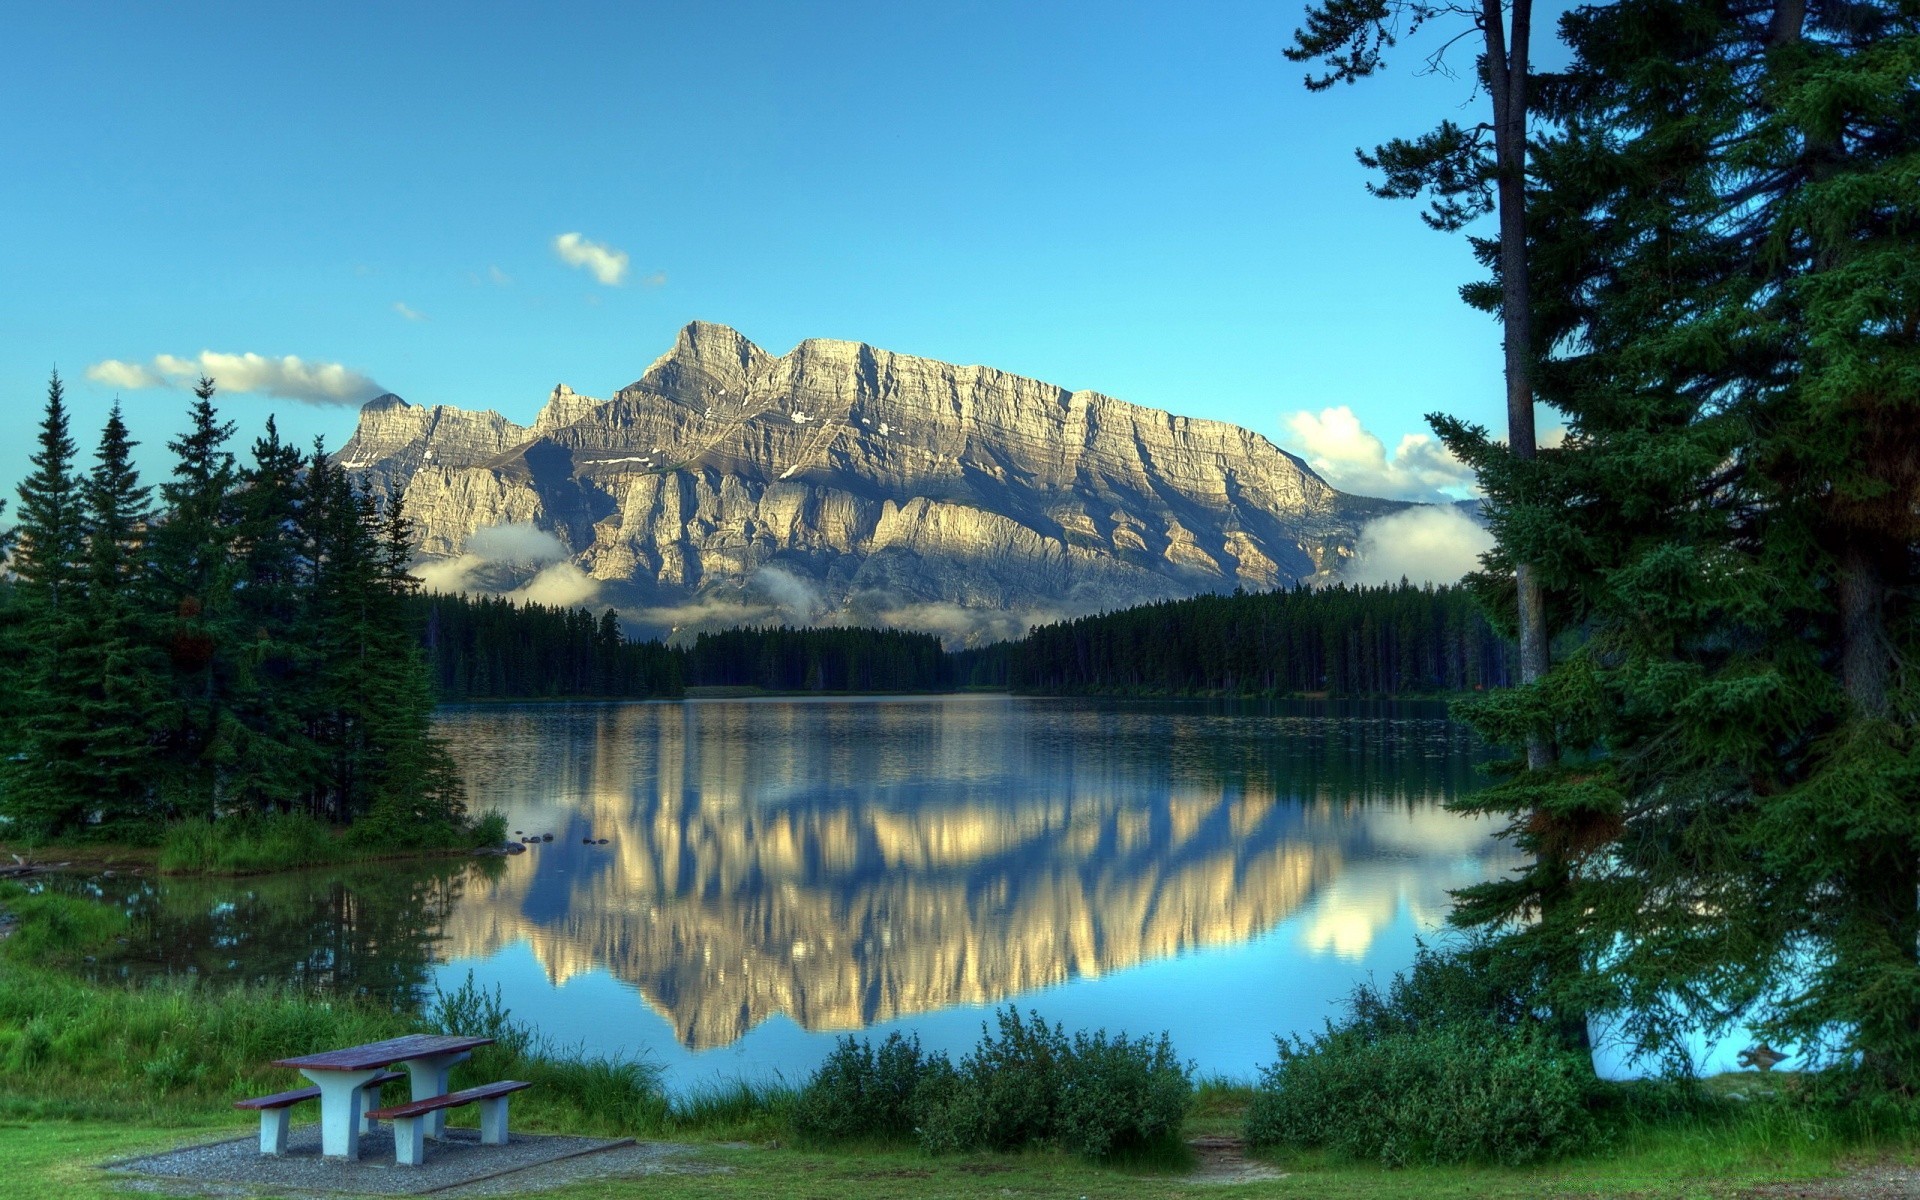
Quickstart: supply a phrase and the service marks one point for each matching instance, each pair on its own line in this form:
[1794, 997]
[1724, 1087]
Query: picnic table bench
[343, 1077]
[275, 1109]
[409, 1146]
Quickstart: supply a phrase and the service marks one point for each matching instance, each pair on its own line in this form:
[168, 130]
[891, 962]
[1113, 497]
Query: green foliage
[472, 1011]
[1444, 1067]
[1727, 309]
[1452, 1095]
[1028, 1084]
[812, 660]
[55, 930]
[1118, 1093]
[245, 844]
[242, 653]
[862, 1093]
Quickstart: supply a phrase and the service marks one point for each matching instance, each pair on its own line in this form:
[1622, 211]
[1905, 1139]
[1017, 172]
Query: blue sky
[1136, 198]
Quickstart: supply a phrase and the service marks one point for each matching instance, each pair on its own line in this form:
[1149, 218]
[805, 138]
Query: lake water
[779, 872]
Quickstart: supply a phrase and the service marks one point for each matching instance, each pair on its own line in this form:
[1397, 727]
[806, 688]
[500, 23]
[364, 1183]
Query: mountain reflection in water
[844, 864]
[847, 863]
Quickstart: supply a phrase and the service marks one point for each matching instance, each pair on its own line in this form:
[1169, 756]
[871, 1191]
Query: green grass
[255, 845]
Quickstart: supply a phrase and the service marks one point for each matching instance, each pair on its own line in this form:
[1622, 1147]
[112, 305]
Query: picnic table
[342, 1074]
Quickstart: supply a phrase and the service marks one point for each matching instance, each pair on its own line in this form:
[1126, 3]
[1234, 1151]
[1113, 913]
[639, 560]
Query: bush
[1122, 1093]
[1008, 1090]
[1028, 1084]
[858, 1093]
[1444, 1067]
[1453, 1095]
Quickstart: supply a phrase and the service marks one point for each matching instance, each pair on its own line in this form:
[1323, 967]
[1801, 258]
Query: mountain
[844, 482]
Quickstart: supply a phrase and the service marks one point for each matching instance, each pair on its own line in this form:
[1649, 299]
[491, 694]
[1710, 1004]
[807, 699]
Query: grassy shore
[89, 1073]
[258, 845]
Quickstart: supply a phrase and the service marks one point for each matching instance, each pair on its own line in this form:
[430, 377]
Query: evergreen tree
[115, 667]
[194, 564]
[273, 756]
[1729, 235]
[1467, 173]
[42, 795]
[413, 788]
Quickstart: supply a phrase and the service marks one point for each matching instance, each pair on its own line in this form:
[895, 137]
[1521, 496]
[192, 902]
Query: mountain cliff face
[842, 482]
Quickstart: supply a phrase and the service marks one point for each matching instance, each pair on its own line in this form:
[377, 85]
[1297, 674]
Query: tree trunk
[1507, 72]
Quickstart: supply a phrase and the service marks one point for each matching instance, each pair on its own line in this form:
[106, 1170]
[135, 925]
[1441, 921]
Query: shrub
[1008, 1090]
[1444, 1067]
[473, 1011]
[1452, 1095]
[860, 1093]
[1121, 1094]
[1026, 1084]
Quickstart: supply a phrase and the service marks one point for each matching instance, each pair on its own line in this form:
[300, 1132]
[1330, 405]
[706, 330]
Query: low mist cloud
[287, 376]
[508, 550]
[1424, 545]
[522, 544]
[561, 585]
[1351, 458]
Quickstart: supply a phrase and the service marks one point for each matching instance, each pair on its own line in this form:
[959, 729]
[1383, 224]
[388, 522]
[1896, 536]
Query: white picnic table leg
[428, 1077]
[340, 1096]
[273, 1131]
[493, 1121]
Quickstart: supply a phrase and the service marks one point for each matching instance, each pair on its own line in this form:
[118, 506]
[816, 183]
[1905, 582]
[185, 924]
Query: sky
[469, 204]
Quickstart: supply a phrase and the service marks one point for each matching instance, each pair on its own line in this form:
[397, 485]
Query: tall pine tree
[194, 563]
[42, 793]
[116, 667]
[1729, 228]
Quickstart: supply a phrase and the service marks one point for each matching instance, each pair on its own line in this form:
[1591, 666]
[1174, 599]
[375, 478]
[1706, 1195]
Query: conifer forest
[238, 645]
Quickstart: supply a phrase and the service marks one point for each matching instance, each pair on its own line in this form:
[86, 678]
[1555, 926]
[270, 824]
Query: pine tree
[193, 562]
[273, 757]
[116, 666]
[41, 795]
[1729, 227]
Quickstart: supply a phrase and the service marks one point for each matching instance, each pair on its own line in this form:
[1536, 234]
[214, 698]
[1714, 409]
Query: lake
[779, 872]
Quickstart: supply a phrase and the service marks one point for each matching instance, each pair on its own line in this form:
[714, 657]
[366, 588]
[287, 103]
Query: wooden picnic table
[341, 1074]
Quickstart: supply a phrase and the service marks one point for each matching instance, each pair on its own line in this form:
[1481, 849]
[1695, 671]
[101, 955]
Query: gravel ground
[459, 1166]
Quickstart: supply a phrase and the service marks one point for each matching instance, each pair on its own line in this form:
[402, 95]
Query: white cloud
[115, 373]
[522, 544]
[797, 600]
[498, 277]
[1355, 460]
[607, 264]
[561, 584]
[1425, 545]
[448, 575]
[654, 279]
[287, 376]
[408, 311]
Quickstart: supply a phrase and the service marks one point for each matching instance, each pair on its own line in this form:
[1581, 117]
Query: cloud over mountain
[287, 376]
[1353, 459]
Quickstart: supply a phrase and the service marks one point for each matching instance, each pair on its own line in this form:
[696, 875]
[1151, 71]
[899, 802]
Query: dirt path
[1223, 1159]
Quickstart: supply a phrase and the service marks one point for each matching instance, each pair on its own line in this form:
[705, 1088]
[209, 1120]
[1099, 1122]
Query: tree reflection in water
[373, 930]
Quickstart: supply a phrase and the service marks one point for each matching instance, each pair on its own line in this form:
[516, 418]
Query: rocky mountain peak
[841, 482]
